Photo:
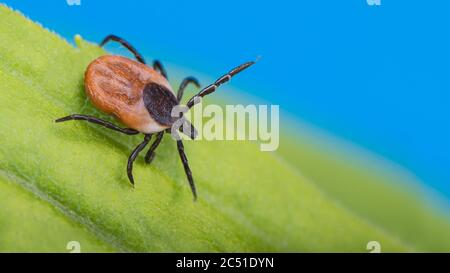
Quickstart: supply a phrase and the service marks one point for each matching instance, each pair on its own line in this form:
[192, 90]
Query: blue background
[375, 75]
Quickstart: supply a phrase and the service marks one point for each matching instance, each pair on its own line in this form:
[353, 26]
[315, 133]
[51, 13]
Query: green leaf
[28, 222]
[248, 200]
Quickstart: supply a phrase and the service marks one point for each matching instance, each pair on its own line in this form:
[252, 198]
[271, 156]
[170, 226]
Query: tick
[141, 98]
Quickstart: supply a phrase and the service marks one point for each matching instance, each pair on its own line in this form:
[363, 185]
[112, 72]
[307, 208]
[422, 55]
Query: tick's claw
[149, 158]
[63, 119]
[130, 177]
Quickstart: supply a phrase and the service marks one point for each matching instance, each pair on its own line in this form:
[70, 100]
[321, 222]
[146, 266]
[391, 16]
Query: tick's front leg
[187, 170]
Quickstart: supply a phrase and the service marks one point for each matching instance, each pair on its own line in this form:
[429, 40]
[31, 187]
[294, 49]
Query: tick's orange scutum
[115, 86]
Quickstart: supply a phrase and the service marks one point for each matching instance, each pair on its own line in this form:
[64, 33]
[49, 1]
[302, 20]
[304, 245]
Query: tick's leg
[133, 156]
[104, 123]
[183, 85]
[157, 65]
[187, 170]
[212, 87]
[191, 132]
[125, 44]
[151, 152]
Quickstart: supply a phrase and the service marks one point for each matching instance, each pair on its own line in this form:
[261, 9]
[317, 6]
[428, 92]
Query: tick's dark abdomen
[159, 102]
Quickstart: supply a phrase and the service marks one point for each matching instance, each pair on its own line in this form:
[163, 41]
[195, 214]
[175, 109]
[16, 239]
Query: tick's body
[116, 85]
[141, 98]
